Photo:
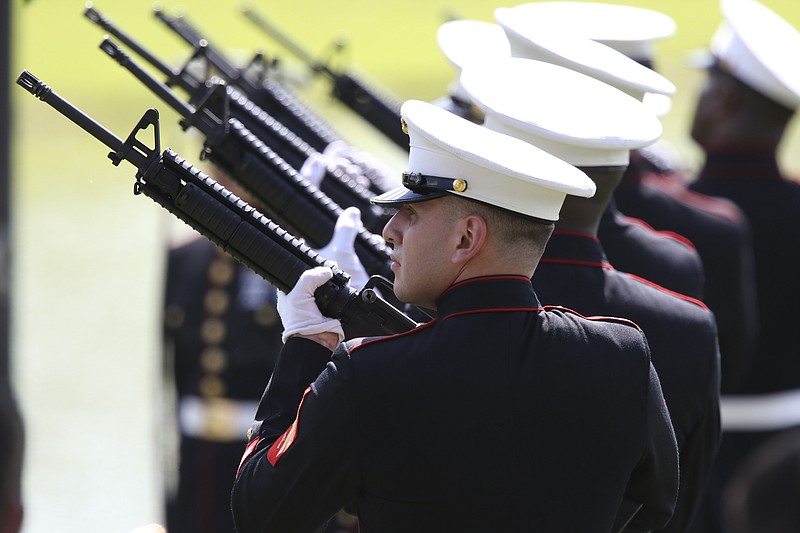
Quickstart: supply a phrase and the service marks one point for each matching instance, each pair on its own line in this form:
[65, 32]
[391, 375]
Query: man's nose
[390, 233]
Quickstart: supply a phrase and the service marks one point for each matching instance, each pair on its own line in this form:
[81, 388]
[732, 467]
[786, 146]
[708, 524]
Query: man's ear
[727, 98]
[472, 238]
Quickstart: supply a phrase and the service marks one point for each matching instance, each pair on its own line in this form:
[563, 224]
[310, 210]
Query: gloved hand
[298, 309]
[341, 248]
[337, 155]
[362, 164]
[314, 167]
[317, 164]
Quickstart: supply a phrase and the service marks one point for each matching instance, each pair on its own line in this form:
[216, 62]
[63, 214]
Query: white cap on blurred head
[464, 41]
[451, 155]
[575, 117]
[630, 30]
[760, 49]
[533, 38]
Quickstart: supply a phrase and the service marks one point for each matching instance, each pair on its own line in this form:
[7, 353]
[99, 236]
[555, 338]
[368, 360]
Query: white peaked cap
[532, 38]
[575, 117]
[761, 49]
[630, 30]
[464, 41]
[454, 156]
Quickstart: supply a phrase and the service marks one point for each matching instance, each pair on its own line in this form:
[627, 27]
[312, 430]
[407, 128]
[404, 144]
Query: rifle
[231, 223]
[266, 94]
[271, 97]
[284, 195]
[377, 109]
[293, 149]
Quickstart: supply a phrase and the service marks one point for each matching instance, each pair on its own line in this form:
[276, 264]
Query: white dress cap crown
[761, 49]
[487, 166]
[630, 30]
[533, 38]
[464, 41]
[575, 117]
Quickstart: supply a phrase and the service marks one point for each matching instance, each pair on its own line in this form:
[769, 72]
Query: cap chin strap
[423, 183]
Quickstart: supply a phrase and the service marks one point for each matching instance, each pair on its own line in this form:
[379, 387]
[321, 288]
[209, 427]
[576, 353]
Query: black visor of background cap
[586, 122]
[533, 38]
[632, 31]
[451, 155]
[464, 41]
[759, 48]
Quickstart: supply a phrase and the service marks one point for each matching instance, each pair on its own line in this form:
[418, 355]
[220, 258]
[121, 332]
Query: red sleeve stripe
[576, 234]
[597, 318]
[251, 447]
[280, 446]
[664, 289]
[494, 310]
[595, 264]
[666, 234]
[404, 333]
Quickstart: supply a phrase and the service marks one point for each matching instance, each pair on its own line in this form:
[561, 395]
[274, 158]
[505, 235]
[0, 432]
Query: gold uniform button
[221, 271]
[216, 301]
[213, 331]
[213, 360]
[459, 185]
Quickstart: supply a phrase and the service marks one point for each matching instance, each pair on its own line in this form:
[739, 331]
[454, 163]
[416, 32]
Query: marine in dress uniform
[574, 271]
[716, 228]
[222, 334]
[751, 94]
[659, 256]
[498, 415]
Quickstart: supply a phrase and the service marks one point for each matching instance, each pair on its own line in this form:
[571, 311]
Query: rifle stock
[228, 221]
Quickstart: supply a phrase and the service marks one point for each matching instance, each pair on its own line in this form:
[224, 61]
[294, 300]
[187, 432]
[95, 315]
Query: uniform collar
[489, 293]
[743, 161]
[575, 248]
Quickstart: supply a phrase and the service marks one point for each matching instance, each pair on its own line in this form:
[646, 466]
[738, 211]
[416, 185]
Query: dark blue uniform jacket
[721, 233]
[682, 336]
[663, 257]
[496, 416]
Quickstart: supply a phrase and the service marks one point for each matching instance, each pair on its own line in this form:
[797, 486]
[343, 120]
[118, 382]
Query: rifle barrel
[273, 31]
[43, 92]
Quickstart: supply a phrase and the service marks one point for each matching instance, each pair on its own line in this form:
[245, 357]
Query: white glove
[317, 164]
[341, 248]
[360, 164]
[298, 309]
[314, 168]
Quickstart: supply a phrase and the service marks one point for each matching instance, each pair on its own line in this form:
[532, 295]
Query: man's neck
[583, 214]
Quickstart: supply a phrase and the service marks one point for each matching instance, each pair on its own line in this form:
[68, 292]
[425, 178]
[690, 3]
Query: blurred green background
[87, 256]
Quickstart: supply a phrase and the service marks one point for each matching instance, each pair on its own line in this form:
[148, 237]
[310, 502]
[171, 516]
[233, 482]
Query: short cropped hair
[522, 236]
